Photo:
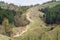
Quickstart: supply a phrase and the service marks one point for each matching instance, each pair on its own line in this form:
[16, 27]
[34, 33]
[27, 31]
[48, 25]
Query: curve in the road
[27, 27]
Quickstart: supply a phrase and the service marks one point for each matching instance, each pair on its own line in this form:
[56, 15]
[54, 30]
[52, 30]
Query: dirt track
[27, 27]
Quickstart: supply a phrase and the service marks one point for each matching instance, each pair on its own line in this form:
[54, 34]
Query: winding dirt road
[27, 27]
[30, 12]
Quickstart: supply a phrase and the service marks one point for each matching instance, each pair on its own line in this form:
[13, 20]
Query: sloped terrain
[38, 30]
[2, 37]
[19, 18]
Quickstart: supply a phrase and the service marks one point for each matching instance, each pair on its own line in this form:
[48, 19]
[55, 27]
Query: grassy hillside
[2, 37]
[38, 30]
[20, 13]
[15, 15]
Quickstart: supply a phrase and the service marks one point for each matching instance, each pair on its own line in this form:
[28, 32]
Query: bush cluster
[52, 15]
[5, 13]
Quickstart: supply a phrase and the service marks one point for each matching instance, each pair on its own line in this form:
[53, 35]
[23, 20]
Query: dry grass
[37, 28]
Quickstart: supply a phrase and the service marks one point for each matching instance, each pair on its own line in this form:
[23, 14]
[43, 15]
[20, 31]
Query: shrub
[7, 27]
[52, 15]
[5, 13]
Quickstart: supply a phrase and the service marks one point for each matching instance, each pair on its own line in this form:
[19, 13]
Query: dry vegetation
[37, 29]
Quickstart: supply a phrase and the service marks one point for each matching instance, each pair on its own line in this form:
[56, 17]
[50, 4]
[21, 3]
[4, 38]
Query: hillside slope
[2, 37]
[37, 28]
[19, 18]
